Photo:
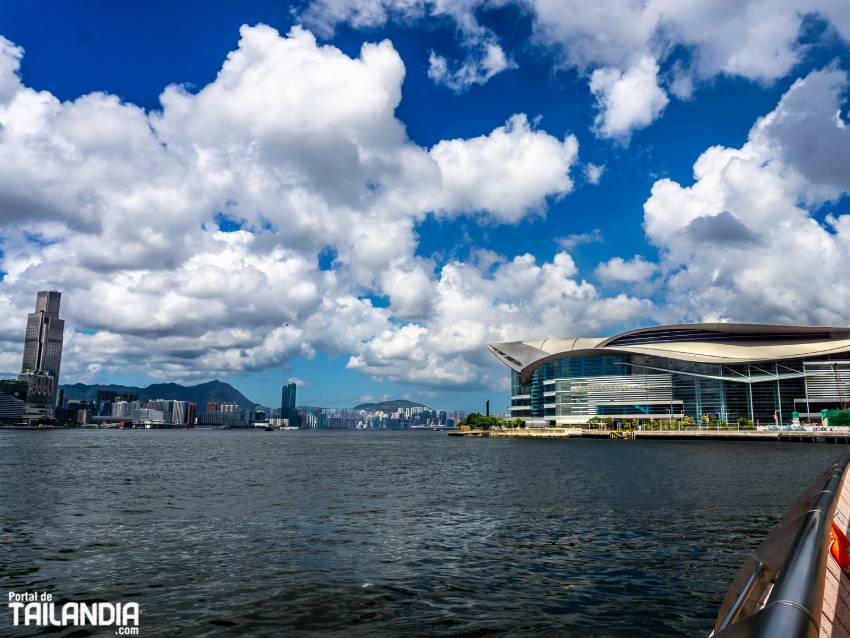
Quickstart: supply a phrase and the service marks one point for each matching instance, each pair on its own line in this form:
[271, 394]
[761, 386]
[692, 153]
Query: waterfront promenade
[786, 436]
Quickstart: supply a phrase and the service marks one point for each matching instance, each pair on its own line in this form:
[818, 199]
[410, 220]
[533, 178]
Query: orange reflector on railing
[838, 547]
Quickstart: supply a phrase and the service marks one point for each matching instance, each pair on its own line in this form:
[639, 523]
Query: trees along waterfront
[477, 421]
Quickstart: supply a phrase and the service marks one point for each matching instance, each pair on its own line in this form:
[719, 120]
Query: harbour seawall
[786, 436]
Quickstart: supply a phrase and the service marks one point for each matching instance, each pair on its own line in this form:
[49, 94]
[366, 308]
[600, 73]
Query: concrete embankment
[539, 433]
[787, 436]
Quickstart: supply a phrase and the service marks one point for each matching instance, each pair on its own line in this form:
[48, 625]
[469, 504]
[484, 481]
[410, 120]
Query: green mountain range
[203, 393]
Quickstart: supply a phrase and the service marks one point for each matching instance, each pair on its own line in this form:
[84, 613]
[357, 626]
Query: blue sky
[140, 195]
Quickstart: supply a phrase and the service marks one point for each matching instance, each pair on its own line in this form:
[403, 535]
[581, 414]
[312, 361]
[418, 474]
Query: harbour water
[229, 533]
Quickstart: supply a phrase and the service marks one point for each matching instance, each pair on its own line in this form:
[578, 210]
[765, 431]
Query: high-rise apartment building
[43, 347]
[179, 414]
[287, 405]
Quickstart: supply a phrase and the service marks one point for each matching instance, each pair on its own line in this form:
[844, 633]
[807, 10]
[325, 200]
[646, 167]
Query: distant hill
[388, 406]
[203, 393]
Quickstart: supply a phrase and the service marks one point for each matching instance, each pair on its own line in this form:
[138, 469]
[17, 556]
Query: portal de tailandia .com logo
[38, 609]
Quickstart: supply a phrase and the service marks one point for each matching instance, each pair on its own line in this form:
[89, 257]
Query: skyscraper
[43, 346]
[179, 412]
[287, 404]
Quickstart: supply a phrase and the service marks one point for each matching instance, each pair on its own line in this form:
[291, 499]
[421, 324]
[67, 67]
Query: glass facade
[641, 386]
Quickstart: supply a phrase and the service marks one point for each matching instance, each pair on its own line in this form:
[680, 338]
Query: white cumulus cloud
[508, 172]
[593, 172]
[297, 146]
[477, 68]
[746, 240]
[633, 270]
[483, 56]
[520, 298]
[627, 100]
[645, 49]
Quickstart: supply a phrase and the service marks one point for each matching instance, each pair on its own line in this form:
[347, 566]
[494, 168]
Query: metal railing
[741, 598]
[794, 605]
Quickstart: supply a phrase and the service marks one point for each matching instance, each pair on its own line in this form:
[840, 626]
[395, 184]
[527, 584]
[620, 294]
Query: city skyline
[40, 370]
[358, 197]
[30, 399]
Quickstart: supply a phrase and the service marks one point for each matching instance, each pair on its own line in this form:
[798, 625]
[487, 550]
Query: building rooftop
[727, 343]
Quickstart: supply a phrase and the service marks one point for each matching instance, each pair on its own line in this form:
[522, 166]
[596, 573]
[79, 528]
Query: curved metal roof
[727, 343]
[768, 330]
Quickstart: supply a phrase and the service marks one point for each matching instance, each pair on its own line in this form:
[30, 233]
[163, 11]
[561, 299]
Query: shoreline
[785, 436]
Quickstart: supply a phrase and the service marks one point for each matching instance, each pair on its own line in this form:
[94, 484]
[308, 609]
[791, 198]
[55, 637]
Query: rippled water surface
[229, 533]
